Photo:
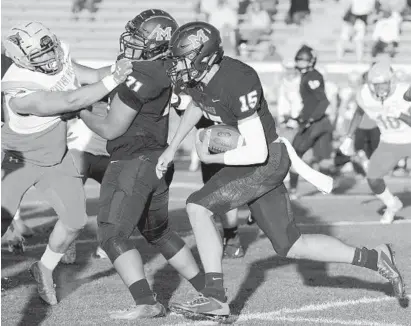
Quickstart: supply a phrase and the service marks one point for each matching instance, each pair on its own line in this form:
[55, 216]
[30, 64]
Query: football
[223, 138]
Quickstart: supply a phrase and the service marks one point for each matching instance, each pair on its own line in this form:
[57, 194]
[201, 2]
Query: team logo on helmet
[198, 39]
[16, 39]
[161, 34]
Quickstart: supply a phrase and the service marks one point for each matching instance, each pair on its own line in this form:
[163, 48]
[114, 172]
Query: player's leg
[124, 192]
[62, 187]
[383, 161]
[17, 177]
[154, 226]
[232, 247]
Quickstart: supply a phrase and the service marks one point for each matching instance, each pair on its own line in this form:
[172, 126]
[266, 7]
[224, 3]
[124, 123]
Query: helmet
[380, 80]
[305, 59]
[194, 48]
[33, 46]
[148, 34]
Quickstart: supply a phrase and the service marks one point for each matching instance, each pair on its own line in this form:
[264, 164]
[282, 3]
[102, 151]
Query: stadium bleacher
[98, 39]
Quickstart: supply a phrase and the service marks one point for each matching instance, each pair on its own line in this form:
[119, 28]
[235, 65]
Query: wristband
[109, 82]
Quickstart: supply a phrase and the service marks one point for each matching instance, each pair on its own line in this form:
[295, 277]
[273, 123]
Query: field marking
[283, 314]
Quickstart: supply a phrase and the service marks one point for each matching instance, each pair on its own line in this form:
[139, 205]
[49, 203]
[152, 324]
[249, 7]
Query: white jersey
[39, 140]
[289, 98]
[393, 130]
[80, 137]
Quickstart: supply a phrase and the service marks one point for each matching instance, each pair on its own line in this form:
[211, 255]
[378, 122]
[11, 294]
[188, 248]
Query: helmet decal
[198, 39]
[160, 34]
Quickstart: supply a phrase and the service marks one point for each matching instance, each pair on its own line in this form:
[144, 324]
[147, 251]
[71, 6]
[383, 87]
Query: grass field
[263, 288]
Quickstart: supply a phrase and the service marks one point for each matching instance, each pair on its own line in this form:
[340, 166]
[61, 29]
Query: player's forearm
[191, 117]
[355, 122]
[320, 109]
[405, 118]
[97, 123]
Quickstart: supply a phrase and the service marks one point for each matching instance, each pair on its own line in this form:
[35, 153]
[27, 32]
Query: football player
[382, 100]
[231, 239]
[253, 174]
[315, 128]
[131, 195]
[42, 84]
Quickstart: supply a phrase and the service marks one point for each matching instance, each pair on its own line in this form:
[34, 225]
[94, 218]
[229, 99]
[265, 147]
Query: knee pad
[376, 185]
[114, 243]
[166, 240]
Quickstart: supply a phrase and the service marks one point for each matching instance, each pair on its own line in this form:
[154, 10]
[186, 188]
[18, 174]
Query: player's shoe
[206, 307]
[45, 284]
[15, 241]
[388, 269]
[70, 255]
[100, 253]
[141, 312]
[233, 248]
[391, 211]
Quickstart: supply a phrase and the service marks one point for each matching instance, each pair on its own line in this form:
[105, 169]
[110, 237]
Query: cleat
[388, 269]
[15, 243]
[391, 211]
[100, 253]
[70, 255]
[202, 307]
[250, 219]
[141, 312]
[45, 285]
[233, 248]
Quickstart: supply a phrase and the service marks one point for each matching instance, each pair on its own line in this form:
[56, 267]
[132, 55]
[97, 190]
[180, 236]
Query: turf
[263, 289]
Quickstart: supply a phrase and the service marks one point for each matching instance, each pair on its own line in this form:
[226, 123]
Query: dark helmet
[305, 59]
[194, 48]
[149, 32]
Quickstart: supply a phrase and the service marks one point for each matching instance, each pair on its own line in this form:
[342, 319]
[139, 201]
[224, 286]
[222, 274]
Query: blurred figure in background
[386, 33]
[354, 27]
[88, 5]
[299, 10]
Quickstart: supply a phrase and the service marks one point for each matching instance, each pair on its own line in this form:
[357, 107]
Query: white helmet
[380, 80]
[33, 46]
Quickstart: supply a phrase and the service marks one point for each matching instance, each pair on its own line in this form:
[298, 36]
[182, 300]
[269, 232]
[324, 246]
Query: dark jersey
[234, 93]
[313, 95]
[6, 62]
[148, 91]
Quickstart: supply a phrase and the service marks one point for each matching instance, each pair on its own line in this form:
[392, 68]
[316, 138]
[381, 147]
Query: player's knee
[113, 242]
[165, 240]
[377, 185]
[193, 210]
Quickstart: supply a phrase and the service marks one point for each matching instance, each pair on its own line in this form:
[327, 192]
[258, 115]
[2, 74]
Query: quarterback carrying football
[228, 91]
[381, 99]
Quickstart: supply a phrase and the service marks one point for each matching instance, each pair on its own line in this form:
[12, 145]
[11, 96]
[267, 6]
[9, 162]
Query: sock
[50, 259]
[198, 281]
[230, 233]
[366, 258]
[386, 197]
[142, 293]
[214, 286]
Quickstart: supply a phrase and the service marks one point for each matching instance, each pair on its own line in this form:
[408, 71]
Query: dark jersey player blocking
[228, 91]
[131, 195]
[315, 129]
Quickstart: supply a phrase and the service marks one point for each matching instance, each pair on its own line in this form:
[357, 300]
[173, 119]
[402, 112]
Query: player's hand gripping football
[123, 68]
[164, 161]
[202, 146]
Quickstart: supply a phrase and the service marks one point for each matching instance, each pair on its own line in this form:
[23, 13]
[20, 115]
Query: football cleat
[141, 312]
[70, 255]
[206, 307]
[388, 269]
[45, 284]
[15, 241]
[391, 211]
[233, 247]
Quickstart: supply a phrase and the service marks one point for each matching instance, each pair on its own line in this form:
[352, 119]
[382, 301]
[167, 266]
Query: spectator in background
[89, 5]
[386, 33]
[354, 26]
[225, 19]
[299, 10]
[256, 25]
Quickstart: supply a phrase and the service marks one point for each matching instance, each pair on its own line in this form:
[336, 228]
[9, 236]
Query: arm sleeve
[255, 149]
